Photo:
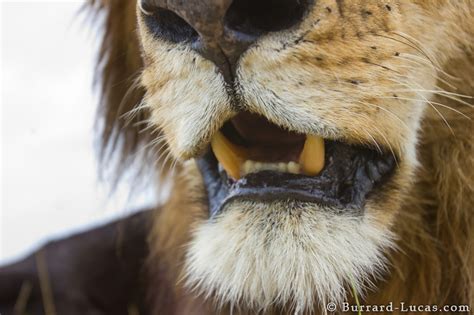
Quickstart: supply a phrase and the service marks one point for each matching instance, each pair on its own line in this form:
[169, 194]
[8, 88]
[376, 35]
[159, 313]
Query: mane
[436, 255]
[124, 139]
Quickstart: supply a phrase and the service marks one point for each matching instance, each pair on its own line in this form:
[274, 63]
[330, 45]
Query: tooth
[293, 168]
[270, 166]
[229, 155]
[312, 156]
[282, 167]
[251, 167]
[245, 168]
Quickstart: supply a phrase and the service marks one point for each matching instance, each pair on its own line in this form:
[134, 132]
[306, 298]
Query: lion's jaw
[259, 255]
[367, 85]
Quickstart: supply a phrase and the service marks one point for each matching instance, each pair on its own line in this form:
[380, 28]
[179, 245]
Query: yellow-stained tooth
[312, 156]
[231, 156]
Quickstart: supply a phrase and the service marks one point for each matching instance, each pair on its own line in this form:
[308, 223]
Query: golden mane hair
[435, 260]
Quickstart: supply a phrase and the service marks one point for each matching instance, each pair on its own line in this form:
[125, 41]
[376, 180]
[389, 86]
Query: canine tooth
[293, 168]
[312, 156]
[229, 155]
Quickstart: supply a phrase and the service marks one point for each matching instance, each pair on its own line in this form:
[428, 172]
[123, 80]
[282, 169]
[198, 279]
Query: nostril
[259, 17]
[166, 24]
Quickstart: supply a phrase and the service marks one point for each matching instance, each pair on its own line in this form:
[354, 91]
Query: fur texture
[390, 74]
[285, 262]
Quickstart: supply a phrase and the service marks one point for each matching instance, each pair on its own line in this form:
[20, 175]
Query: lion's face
[305, 145]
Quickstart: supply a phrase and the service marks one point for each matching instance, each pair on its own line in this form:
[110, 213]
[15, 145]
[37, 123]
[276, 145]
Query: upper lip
[328, 172]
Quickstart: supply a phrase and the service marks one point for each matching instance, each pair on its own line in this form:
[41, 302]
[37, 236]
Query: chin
[291, 253]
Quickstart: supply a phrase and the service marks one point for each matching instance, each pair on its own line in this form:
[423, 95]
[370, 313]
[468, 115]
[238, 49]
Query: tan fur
[381, 73]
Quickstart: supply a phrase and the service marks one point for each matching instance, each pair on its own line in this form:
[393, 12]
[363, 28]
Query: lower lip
[345, 183]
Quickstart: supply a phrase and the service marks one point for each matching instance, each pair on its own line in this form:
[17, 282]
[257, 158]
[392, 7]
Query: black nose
[222, 30]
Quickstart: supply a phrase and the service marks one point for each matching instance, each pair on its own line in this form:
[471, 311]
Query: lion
[319, 153]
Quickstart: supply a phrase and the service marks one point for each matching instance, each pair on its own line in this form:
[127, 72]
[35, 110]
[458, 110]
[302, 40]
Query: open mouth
[252, 159]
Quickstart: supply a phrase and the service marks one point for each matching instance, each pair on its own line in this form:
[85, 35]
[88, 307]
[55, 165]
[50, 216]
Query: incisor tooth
[312, 156]
[282, 167]
[246, 168]
[293, 168]
[230, 156]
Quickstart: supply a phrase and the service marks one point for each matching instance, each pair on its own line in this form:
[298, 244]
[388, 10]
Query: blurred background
[49, 183]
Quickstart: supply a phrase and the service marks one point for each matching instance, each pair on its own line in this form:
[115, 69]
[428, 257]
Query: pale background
[49, 186]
